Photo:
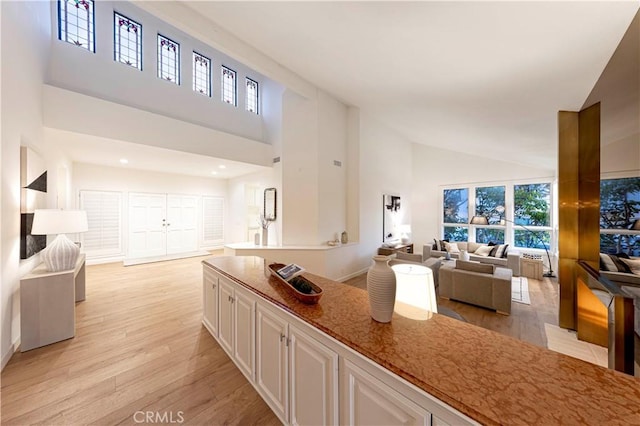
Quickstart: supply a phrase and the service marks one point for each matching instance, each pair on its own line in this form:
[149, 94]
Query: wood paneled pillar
[579, 202]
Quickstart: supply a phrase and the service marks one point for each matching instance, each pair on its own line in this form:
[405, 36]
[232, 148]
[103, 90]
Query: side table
[47, 304]
[387, 251]
[531, 268]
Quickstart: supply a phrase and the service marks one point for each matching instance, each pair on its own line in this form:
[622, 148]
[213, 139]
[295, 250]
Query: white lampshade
[415, 291]
[62, 253]
[53, 222]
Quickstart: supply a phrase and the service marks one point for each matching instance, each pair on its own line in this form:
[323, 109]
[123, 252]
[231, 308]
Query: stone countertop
[492, 378]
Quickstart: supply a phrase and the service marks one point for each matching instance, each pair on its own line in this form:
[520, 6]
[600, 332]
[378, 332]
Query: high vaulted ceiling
[480, 77]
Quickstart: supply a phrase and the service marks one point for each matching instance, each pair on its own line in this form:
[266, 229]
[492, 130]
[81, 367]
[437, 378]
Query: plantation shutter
[212, 221]
[104, 237]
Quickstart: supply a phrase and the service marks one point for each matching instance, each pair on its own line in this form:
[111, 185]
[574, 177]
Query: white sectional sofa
[512, 261]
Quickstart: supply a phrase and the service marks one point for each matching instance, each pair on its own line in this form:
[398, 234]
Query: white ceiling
[90, 149]
[481, 77]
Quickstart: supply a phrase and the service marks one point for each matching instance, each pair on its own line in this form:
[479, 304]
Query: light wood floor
[139, 346]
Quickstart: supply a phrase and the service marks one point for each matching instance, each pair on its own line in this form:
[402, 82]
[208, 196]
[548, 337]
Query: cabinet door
[225, 324]
[210, 301]
[365, 400]
[314, 381]
[243, 342]
[272, 361]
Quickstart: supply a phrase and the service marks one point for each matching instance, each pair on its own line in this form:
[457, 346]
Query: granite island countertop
[492, 378]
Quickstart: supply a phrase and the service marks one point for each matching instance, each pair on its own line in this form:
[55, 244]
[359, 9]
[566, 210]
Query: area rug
[566, 342]
[520, 290]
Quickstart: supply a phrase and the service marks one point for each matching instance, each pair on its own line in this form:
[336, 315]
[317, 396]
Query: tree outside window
[619, 208]
[456, 233]
[487, 199]
[456, 205]
[488, 235]
[532, 210]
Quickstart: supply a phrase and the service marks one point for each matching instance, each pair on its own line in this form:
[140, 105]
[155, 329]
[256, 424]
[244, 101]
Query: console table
[47, 304]
[531, 268]
[387, 251]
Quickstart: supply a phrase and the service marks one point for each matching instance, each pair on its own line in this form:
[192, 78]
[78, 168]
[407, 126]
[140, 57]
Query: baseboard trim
[352, 275]
[7, 357]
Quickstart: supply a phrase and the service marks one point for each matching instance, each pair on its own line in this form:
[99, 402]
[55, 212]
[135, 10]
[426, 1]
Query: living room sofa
[480, 284]
[512, 261]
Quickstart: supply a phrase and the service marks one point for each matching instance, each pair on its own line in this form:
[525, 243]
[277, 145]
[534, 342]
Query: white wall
[385, 162]
[116, 121]
[21, 106]
[124, 180]
[236, 225]
[99, 75]
[621, 156]
[435, 167]
[332, 179]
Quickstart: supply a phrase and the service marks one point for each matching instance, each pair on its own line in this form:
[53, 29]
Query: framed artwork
[33, 193]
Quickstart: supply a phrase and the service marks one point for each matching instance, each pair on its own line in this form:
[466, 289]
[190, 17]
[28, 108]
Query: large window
[488, 198]
[532, 211]
[619, 209]
[519, 215]
[229, 86]
[201, 74]
[75, 23]
[456, 211]
[127, 41]
[252, 95]
[168, 59]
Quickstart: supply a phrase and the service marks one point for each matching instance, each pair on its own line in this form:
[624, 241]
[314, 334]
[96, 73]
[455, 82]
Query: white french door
[161, 224]
[182, 223]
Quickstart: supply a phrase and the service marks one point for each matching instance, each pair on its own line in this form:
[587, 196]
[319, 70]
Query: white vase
[464, 255]
[381, 287]
[265, 236]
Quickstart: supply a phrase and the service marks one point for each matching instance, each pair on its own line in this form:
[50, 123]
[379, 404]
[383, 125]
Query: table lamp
[415, 291]
[405, 230]
[62, 253]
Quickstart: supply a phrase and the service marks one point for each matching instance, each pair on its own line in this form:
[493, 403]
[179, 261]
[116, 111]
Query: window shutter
[104, 237]
[212, 221]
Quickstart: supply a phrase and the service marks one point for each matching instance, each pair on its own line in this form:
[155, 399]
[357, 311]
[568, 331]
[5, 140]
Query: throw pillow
[440, 245]
[483, 251]
[451, 247]
[498, 250]
[504, 253]
[633, 264]
[435, 245]
[614, 264]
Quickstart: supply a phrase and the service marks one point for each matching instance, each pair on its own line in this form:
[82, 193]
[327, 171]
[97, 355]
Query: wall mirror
[390, 209]
[270, 204]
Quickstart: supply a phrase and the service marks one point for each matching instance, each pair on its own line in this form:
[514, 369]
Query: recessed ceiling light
[124, 161]
[222, 166]
[214, 172]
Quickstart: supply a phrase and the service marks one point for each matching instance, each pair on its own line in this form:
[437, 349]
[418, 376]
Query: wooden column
[579, 202]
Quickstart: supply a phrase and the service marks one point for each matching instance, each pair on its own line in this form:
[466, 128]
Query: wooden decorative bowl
[309, 299]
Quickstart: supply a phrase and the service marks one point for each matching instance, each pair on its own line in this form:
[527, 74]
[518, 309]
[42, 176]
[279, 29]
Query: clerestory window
[76, 23]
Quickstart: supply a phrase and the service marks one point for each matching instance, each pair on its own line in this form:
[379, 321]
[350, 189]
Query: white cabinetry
[294, 366]
[236, 325]
[296, 374]
[314, 380]
[210, 301]
[272, 361]
[365, 400]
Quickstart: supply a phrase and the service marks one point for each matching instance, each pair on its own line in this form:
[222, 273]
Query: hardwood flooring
[140, 350]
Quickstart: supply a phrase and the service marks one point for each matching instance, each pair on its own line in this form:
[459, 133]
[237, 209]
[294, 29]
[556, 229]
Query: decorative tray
[314, 292]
